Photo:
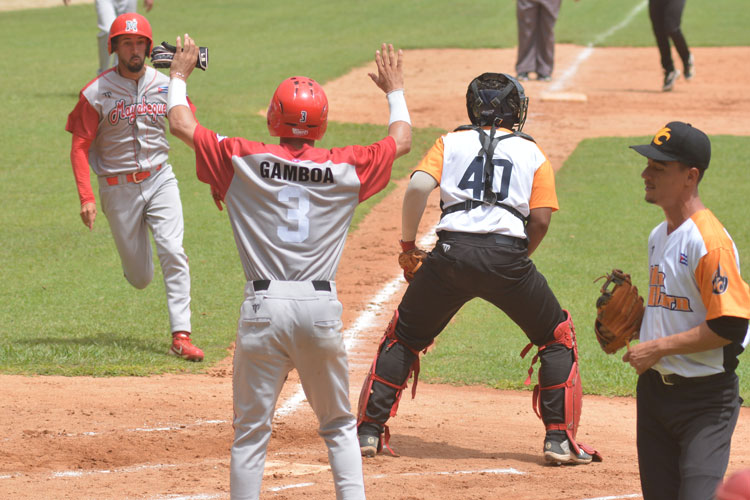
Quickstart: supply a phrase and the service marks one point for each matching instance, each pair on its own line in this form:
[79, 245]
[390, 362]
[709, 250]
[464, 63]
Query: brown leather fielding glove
[410, 259]
[619, 312]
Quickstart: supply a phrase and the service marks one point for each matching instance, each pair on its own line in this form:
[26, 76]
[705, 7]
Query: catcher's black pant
[684, 434]
[463, 266]
[666, 17]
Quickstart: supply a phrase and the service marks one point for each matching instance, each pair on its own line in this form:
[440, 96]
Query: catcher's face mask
[496, 97]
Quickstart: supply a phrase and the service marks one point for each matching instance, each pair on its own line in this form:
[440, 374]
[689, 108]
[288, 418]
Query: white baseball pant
[292, 325]
[132, 209]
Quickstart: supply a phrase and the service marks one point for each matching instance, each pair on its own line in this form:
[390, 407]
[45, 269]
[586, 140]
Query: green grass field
[64, 306]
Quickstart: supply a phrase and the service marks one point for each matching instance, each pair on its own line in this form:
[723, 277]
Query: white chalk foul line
[618, 497]
[291, 486]
[560, 83]
[405, 474]
[201, 496]
[509, 470]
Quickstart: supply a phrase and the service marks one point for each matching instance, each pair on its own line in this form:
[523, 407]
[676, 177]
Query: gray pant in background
[536, 35]
[106, 12]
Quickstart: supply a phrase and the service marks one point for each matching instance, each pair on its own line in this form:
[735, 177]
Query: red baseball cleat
[182, 347]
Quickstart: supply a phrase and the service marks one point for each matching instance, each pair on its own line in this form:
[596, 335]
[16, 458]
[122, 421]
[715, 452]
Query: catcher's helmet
[130, 24]
[298, 108]
[495, 97]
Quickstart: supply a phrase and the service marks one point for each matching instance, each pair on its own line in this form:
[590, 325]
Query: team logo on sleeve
[683, 259]
[658, 296]
[719, 282]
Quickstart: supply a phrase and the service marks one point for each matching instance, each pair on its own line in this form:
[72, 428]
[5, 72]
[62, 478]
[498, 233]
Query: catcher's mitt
[410, 259]
[162, 55]
[619, 312]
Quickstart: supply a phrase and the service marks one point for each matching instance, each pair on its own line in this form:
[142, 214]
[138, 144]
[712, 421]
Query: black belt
[498, 239]
[674, 379]
[321, 286]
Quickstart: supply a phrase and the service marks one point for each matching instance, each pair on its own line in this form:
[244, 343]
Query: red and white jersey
[290, 209]
[523, 178]
[124, 120]
[694, 276]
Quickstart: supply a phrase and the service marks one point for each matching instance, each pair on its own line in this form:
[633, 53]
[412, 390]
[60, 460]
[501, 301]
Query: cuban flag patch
[683, 259]
[163, 89]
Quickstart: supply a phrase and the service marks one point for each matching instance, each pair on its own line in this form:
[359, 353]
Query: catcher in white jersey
[497, 194]
[290, 205]
[118, 128]
[694, 327]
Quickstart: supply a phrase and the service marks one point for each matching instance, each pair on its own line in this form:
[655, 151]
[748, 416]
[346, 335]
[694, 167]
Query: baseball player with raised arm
[497, 194]
[118, 128]
[290, 205]
[694, 327]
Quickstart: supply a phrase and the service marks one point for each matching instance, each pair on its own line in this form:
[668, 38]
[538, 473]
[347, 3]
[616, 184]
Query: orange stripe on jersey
[543, 194]
[723, 291]
[432, 163]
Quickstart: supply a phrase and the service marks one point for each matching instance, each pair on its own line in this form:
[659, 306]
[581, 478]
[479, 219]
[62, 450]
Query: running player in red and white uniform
[497, 194]
[118, 128]
[290, 206]
[694, 327]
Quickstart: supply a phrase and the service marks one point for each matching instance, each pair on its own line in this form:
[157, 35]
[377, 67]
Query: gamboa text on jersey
[129, 112]
[296, 173]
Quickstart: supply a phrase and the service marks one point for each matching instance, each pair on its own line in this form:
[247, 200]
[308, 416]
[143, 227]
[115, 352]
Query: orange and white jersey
[523, 179]
[694, 276]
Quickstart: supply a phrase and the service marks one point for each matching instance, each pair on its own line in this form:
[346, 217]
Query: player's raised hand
[390, 73]
[184, 58]
[88, 214]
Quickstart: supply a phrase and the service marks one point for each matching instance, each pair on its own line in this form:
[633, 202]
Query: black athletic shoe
[544, 78]
[522, 77]
[669, 79]
[690, 68]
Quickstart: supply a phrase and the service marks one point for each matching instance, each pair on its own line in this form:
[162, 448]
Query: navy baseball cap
[678, 141]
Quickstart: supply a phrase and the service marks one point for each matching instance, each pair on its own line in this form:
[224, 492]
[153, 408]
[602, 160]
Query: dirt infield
[169, 436]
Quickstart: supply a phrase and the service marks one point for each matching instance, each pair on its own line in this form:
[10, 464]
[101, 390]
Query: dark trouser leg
[658, 454]
[684, 436]
[556, 362]
[657, 12]
[524, 285]
[427, 306]
[681, 45]
[526, 16]
[545, 33]
[672, 21]
[393, 365]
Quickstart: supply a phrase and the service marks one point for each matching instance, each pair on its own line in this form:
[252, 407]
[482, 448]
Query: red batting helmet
[130, 24]
[298, 108]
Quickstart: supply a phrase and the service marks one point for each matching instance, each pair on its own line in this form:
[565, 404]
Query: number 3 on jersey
[473, 178]
[290, 195]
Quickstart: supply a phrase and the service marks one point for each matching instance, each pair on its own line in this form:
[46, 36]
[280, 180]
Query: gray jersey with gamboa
[290, 209]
